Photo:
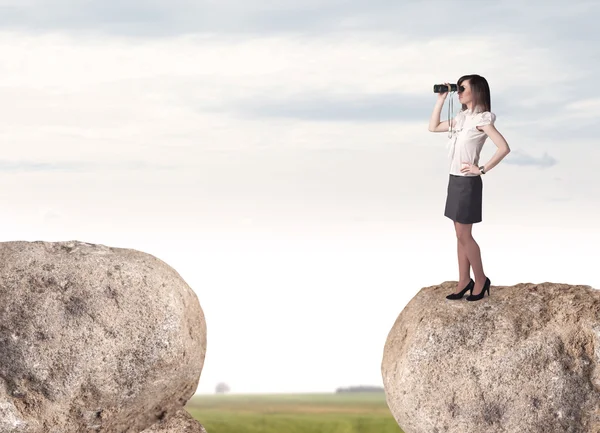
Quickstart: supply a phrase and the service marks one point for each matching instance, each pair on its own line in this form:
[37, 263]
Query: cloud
[79, 166]
[49, 215]
[419, 19]
[388, 107]
[101, 98]
[323, 105]
[588, 108]
[518, 157]
[209, 92]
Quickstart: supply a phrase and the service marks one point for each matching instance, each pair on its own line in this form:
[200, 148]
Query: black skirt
[464, 200]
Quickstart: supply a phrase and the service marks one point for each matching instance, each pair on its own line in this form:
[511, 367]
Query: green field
[294, 413]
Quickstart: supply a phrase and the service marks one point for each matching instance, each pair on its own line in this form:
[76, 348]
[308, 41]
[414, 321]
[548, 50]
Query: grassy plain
[294, 413]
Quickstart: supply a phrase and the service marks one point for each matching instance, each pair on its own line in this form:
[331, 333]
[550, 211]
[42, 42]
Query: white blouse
[467, 141]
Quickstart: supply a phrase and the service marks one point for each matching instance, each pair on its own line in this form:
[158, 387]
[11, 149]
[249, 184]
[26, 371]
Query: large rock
[94, 338]
[181, 422]
[525, 359]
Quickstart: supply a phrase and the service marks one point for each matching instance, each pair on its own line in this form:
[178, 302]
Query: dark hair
[480, 91]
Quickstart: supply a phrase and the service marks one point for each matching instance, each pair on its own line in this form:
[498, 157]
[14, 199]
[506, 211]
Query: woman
[468, 131]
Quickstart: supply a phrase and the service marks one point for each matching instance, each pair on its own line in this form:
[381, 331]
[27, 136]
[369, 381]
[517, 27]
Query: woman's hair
[480, 90]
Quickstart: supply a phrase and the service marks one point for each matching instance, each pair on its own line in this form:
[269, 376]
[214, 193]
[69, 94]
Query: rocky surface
[94, 338]
[525, 359]
[181, 422]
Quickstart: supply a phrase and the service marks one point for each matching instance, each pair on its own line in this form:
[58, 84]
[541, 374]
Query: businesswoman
[468, 132]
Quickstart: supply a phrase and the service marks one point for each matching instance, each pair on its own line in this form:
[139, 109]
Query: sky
[277, 155]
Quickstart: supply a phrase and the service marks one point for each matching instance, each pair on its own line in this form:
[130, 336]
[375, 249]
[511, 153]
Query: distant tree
[360, 389]
[222, 388]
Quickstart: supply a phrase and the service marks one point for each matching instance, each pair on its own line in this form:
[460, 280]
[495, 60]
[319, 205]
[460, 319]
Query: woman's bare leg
[464, 267]
[471, 248]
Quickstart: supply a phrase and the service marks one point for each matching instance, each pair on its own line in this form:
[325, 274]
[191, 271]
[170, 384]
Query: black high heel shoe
[486, 286]
[460, 294]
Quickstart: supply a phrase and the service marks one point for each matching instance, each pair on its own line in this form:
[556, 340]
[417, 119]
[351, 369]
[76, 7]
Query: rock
[525, 359]
[94, 338]
[181, 422]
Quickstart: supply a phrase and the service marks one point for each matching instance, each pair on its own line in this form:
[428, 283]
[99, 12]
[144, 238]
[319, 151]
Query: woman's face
[464, 97]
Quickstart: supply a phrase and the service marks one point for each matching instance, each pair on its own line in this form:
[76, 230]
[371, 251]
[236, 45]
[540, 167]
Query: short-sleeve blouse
[467, 141]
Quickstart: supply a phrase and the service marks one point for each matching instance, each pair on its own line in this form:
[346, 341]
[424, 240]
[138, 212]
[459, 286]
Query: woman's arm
[500, 143]
[434, 121]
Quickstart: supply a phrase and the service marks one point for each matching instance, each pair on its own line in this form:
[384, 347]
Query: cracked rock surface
[94, 338]
[525, 359]
[181, 422]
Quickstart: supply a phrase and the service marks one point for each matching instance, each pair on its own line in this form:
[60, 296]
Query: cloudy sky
[276, 154]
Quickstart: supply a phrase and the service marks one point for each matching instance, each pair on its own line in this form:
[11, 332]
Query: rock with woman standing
[526, 359]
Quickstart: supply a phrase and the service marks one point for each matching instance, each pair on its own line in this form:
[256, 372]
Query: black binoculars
[441, 88]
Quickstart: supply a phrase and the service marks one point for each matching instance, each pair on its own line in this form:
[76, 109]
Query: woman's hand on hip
[467, 167]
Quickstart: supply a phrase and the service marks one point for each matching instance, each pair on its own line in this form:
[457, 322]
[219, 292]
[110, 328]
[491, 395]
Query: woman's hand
[442, 96]
[467, 167]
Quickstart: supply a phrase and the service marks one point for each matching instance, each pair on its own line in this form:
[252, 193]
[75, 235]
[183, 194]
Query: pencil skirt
[464, 199]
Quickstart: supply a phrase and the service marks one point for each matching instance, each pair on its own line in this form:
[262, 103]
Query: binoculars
[441, 88]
